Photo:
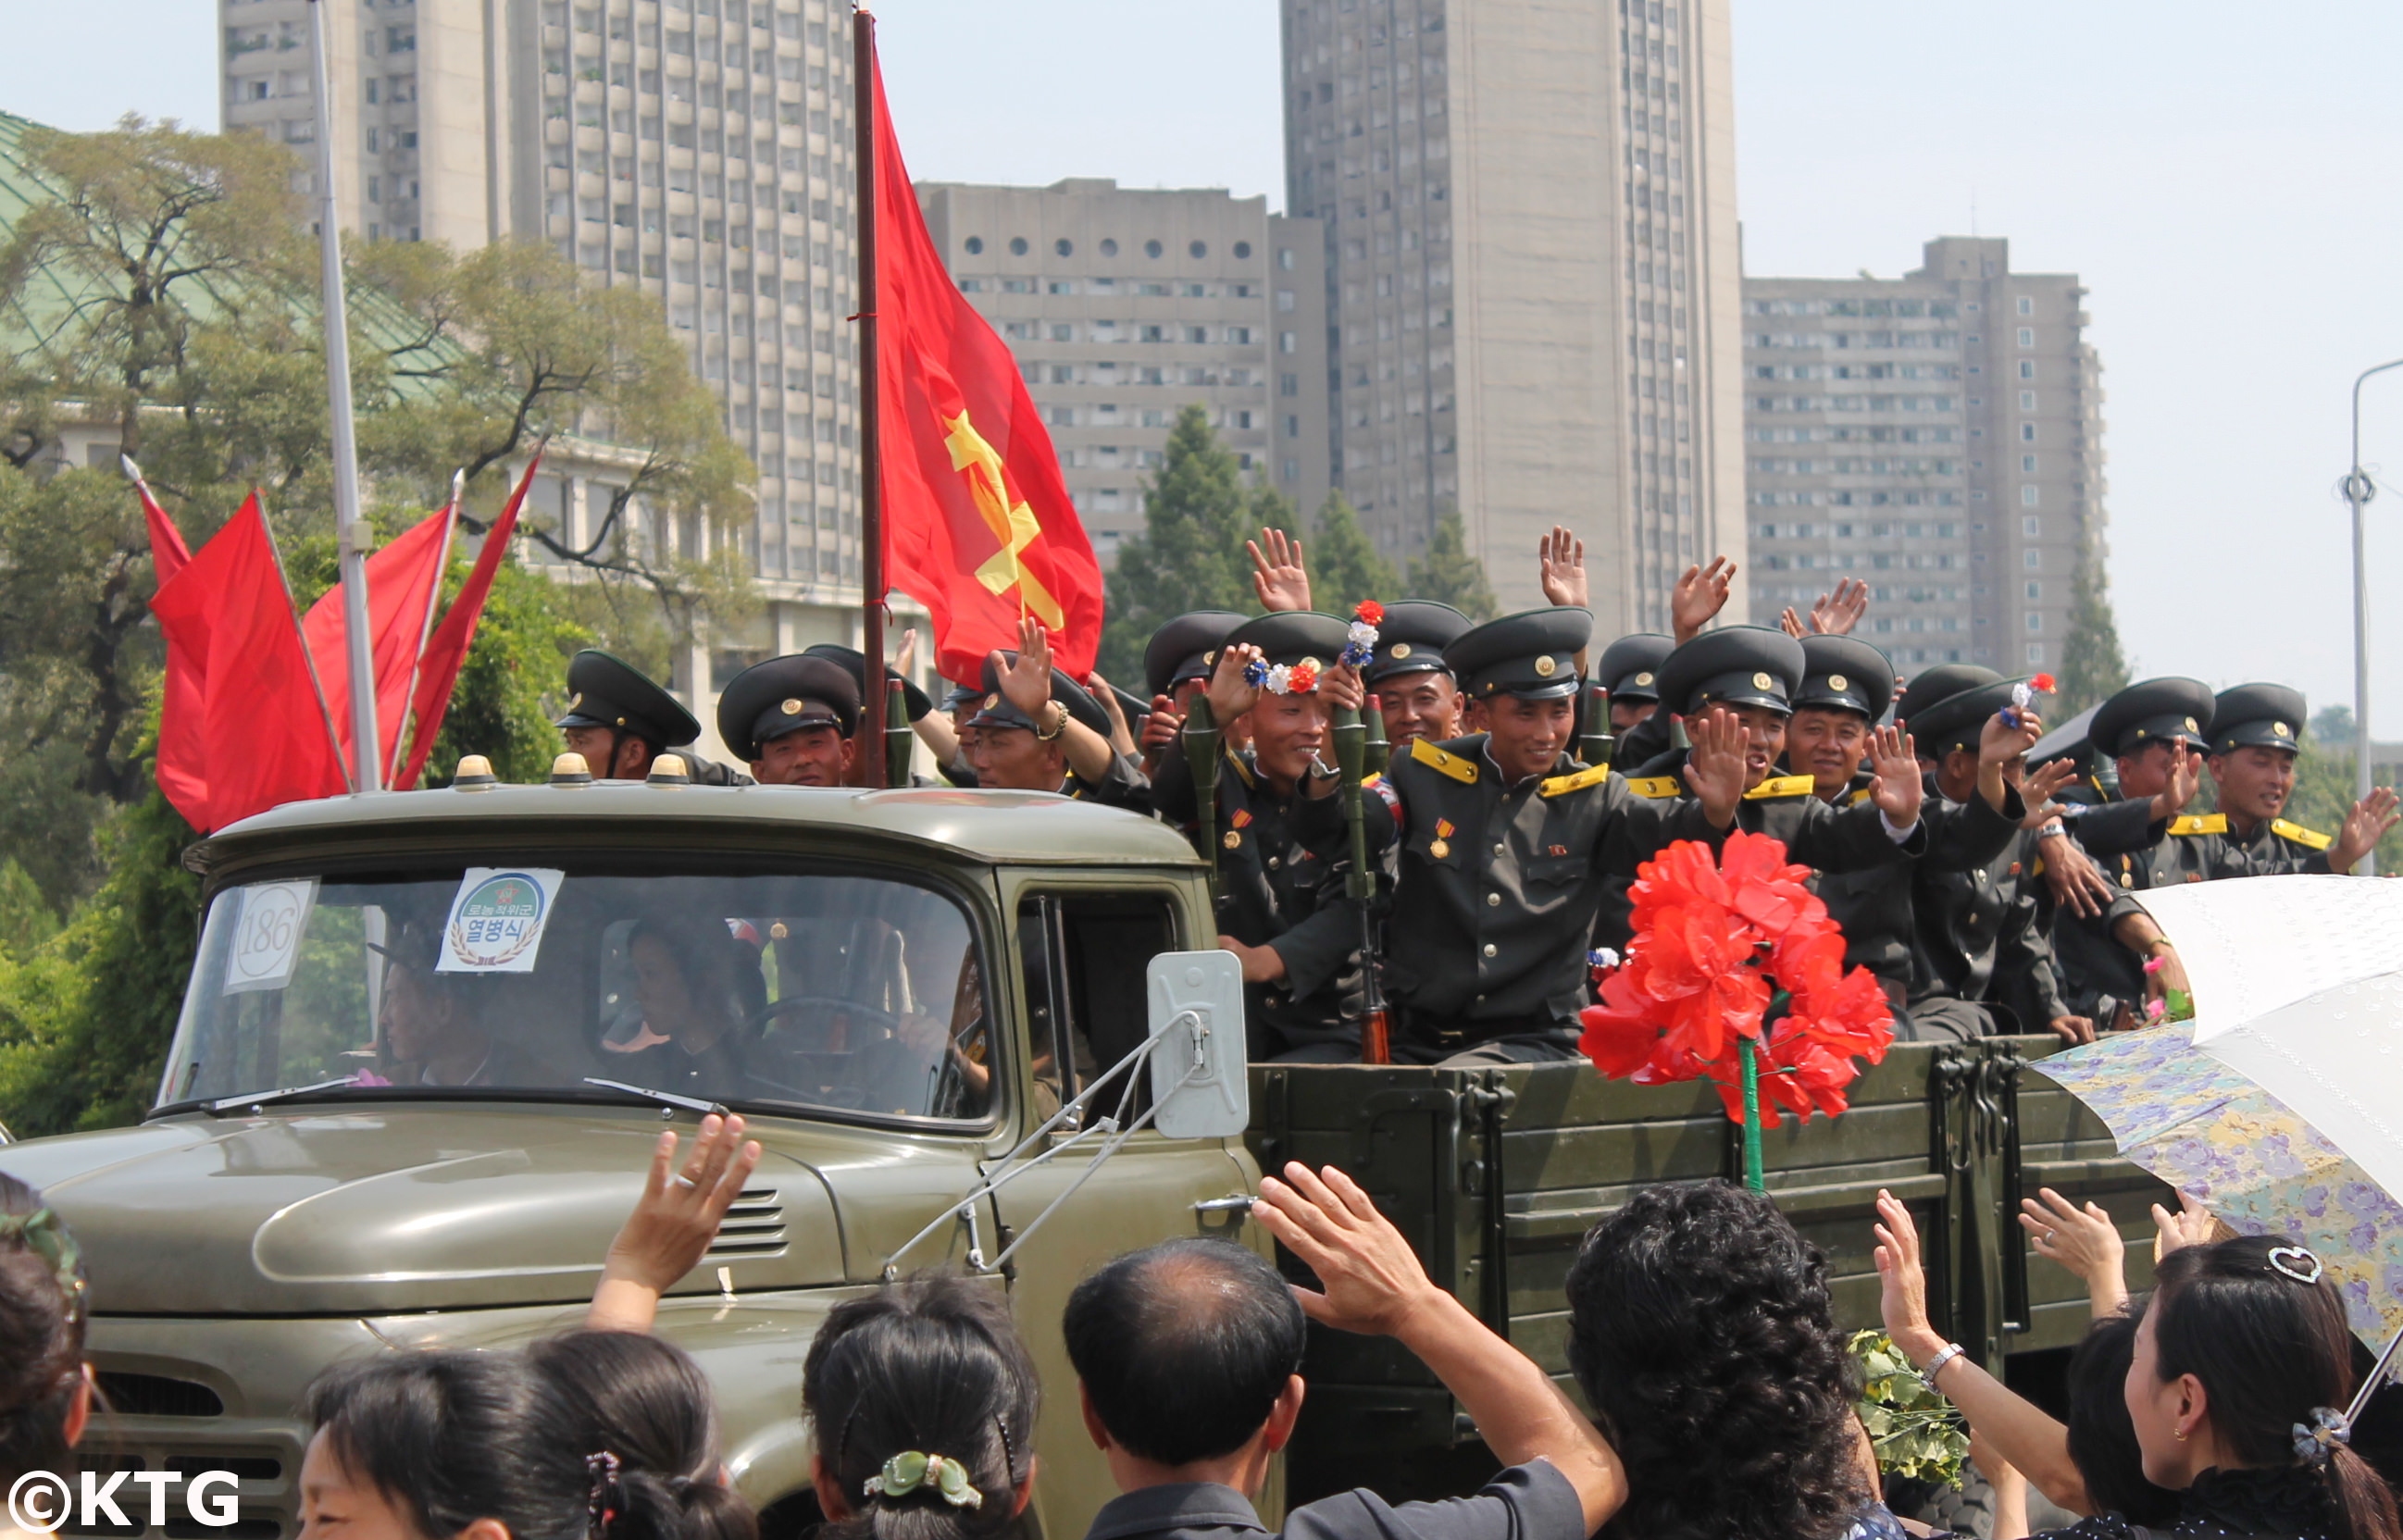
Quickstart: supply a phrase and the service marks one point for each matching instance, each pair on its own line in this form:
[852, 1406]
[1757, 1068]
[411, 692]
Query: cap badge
[2190, 726]
[575, 701]
[1838, 682]
[1761, 681]
[990, 701]
[1210, 659]
[1313, 664]
[790, 707]
[2282, 729]
[1545, 667]
[1643, 679]
[1401, 649]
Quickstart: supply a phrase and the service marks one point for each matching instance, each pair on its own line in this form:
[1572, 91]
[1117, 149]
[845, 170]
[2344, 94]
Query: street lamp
[2359, 490]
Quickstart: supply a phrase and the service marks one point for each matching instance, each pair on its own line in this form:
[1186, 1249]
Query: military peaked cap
[1532, 655]
[1294, 637]
[1737, 665]
[606, 691]
[1187, 648]
[1629, 669]
[1413, 638]
[2155, 710]
[1939, 683]
[997, 712]
[2266, 716]
[1959, 720]
[1846, 673]
[767, 701]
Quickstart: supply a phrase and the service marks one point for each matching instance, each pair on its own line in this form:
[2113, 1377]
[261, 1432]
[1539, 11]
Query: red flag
[447, 650]
[261, 738]
[404, 580]
[977, 523]
[179, 705]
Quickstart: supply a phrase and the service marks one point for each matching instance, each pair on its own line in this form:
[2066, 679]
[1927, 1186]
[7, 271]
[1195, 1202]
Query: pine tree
[2092, 667]
[1447, 574]
[1345, 565]
[1190, 555]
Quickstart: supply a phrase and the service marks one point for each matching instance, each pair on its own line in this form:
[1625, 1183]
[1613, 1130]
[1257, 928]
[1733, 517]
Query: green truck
[431, 1037]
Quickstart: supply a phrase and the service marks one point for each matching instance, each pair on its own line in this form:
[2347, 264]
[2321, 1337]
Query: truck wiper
[260, 1098]
[690, 1103]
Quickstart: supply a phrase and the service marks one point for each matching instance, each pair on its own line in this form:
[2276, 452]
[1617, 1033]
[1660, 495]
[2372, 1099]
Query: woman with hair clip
[922, 1400]
[45, 1385]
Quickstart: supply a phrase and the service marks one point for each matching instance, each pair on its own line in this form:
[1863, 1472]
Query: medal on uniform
[1232, 840]
[1441, 845]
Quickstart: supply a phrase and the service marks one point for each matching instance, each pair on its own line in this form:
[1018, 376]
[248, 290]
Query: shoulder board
[2300, 835]
[1461, 771]
[1555, 785]
[1656, 786]
[1782, 786]
[2199, 823]
[1858, 796]
[1367, 781]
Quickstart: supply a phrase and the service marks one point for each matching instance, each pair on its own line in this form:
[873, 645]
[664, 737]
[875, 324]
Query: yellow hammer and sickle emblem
[1013, 524]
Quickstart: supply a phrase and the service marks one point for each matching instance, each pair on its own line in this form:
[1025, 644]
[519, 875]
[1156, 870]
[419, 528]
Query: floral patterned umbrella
[2194, 1122]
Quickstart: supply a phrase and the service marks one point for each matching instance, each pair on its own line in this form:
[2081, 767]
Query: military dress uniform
[784, 695]
[1752, 666]
[1123, 786]
[1629, 670]
[2266, 716]
[1982, 959]
[1497, 880]
[606, 691]
[1284, 861]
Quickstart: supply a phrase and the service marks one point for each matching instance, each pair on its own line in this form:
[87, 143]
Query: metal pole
[871, 491]
[2359, 490]
[350, 555]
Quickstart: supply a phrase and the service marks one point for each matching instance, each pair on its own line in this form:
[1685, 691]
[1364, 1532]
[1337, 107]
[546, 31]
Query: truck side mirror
[1199, 1073]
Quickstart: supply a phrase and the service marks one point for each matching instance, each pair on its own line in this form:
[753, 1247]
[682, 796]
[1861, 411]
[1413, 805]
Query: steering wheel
[831, 1004]
[841, 1090]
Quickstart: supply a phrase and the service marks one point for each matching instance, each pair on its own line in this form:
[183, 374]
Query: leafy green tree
[2323, 793]
[1196, 514]
[2092, 666]
[27, 918]
[1345, 566]
[1448, 573]
[498, 708]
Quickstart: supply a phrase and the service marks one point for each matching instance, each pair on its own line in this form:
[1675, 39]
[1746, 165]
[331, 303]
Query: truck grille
[156, 1395]
[754, 1226]
[268, 1492]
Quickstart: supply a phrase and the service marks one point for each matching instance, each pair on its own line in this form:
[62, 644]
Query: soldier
[2256, 733]
[1284, 849]
[1176, 664]
[794, 718]
[1629, 670]
[1748, 675]
[1040, 731]
[1983, 961]
[620, 721]
[1503, 840]
[1414, 690]
[933, 729]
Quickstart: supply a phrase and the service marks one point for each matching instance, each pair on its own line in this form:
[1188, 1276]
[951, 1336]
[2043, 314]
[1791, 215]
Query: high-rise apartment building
[1533, 276]
[1125, 305]
[699, 150]
[1940, 436]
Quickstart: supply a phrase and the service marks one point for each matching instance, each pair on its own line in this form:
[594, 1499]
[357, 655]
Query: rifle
[1201, 738]
[897, 735]
[1595, 743]
[1360, 885]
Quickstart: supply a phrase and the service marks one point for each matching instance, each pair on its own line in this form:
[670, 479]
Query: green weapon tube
[1201, 744]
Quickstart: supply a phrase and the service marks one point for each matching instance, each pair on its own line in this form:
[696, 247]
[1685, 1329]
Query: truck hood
[394, 1208]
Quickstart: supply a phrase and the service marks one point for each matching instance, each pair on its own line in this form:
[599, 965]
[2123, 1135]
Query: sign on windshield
[834, 991]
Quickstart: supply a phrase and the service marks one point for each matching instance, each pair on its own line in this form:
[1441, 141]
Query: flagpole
[426, 631]
[351, 553]
[871, 491]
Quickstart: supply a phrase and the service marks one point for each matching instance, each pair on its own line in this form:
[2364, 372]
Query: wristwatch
[2054, 830]
[1059, 724]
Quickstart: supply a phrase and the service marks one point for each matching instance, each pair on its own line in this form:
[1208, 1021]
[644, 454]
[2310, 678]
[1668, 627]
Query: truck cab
[430, 1039]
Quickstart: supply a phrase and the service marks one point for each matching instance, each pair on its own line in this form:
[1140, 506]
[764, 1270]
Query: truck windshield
[858, 993]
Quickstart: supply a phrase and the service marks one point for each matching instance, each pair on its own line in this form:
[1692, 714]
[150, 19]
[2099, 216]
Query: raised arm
[1374, 1285]
[1027, 682]
[672, 1224]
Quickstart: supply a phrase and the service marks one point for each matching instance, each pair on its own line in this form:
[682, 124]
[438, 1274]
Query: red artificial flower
[2042, 682]
[1301, 679]
[1368, 613]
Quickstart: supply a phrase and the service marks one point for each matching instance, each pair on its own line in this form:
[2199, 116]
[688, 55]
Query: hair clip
[602, 1498]
[46, 1236]
[2293, 1261]
[909, 1471]
[2318, 1438]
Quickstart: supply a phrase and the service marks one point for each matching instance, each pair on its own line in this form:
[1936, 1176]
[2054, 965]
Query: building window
[1109, 248]
[2027, 368]
[1152, 248]
[2035, 620]
[1285, 257]
[2032, 526]
[2027, 400]
[2033, 561]
[1017, 245]
[2035, 589]
[2027, 306]
[973, 245]
[1064, 246]
[2027, 337]
[2030, 496]
[2027, 464]
[2027, 432]
[1197, 250]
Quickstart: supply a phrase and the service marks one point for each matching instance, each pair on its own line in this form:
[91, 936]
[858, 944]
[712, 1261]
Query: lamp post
[2359, 490]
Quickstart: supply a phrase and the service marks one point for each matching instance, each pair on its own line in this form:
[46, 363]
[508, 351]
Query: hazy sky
[2222, 176]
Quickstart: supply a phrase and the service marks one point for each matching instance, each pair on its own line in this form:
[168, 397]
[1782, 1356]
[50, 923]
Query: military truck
[430, 1039]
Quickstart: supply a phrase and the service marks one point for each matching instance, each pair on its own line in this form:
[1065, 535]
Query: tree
[1446, 573]
[1345, 566]
[2092, 667]
[1196, 514]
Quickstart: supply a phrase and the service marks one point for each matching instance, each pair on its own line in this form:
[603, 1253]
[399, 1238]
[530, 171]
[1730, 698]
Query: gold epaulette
[1782, 786]
[1436, 759]
[1860, 796]
[1656, 787]
[1555, 785]
[2199, 823]
[2300, 835]
[1371, 780]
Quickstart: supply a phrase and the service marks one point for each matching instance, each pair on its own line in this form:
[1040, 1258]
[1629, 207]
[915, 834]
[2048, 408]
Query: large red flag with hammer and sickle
[977, 523]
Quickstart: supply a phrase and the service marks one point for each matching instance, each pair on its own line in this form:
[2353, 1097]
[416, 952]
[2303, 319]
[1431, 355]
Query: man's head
[2144, 726]
[1749, 672]
[1177, 660]
[618, 719]
[793, 717]
[1846, 687]
[1408, 675]
[1949, 732]
[1006, 752]
[1521, 672]
[1289, 722]
[2256, 731]
[1629, 670]
[1288, 731]
[1188, 1351]
[2254, 781]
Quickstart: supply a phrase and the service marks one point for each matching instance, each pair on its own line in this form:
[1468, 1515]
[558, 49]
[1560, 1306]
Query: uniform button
[1493, 900]
[1501, 849]
[1481, 999]
[1273, 863]
[1488, 948]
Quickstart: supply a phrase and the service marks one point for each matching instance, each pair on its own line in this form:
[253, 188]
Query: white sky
[2221, 176]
